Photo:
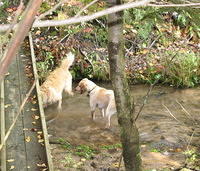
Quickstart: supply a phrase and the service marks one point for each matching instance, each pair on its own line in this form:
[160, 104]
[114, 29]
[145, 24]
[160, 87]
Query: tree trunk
[125, 107]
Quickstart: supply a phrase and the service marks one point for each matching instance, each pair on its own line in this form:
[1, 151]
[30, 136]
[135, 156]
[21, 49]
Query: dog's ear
[82, 87]
[84, 79]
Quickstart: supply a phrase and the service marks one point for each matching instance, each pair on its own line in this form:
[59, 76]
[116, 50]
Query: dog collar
[91, 90]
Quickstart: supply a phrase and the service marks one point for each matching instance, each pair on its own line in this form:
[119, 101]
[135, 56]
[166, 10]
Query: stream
[166, 126]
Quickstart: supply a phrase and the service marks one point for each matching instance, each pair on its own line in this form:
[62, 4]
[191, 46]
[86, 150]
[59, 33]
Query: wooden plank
[15, 145]
[43, 121]
[3, 151]
[35, 151]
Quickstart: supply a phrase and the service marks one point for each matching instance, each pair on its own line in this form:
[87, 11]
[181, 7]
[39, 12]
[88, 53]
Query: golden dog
[99, 98]
[58, 80]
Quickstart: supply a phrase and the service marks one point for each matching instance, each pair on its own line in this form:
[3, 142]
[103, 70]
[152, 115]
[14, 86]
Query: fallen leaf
[7, 105]
[33, 129]
[41, 165]
[38, 32]
[34, 102]
[10, 160]
[12, 167]
[33, 109]
[28, 139]
[115, 164]
[36, 117]
[44, 169]
[39, 132]
[34, 123]
[39, 136]
[41, 140]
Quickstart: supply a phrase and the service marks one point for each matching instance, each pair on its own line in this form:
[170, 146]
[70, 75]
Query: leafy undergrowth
[161, 45]
[164, 51]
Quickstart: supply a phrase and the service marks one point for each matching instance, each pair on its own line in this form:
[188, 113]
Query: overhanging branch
[75, 20]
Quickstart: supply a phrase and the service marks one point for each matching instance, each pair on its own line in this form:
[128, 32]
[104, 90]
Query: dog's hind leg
[108, 121]
[59, 99]
[68, 87]
[102, 112]
[59, 105]
[92, 108]
[93, 114]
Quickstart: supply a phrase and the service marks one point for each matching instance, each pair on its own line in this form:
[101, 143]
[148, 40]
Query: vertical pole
[42, 116]
[3, 151]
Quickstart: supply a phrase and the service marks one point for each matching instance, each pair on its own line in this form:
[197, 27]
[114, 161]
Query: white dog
[99, 98]
[58, 80]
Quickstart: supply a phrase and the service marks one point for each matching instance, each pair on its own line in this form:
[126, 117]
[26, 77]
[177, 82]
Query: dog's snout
[77, 88]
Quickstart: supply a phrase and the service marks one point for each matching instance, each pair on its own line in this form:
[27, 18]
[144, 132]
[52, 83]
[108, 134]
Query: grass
[112, 146]
[69, 161]
[155, 150]
[192, 157]
[64, 144]
[82, 150]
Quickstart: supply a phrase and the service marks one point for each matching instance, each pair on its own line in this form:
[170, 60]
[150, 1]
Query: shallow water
[165, 122]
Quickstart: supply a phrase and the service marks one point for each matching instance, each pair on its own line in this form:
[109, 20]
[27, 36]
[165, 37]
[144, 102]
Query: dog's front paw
[71, 93]
[107, 126]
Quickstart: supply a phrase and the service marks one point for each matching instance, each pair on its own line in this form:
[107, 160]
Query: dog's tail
[67, 62]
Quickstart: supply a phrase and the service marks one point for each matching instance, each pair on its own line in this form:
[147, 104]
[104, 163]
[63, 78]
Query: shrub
[183, 70]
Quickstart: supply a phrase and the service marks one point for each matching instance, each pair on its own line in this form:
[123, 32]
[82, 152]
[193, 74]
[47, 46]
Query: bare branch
[74, 20]
[174, 5]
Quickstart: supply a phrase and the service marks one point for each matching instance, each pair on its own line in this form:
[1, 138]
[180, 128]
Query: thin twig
[154, 42]
[51, 10]
[186, 112]
[171, 113]
[189, 142]
[84, 8]
[17, 115]
[144, 101]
